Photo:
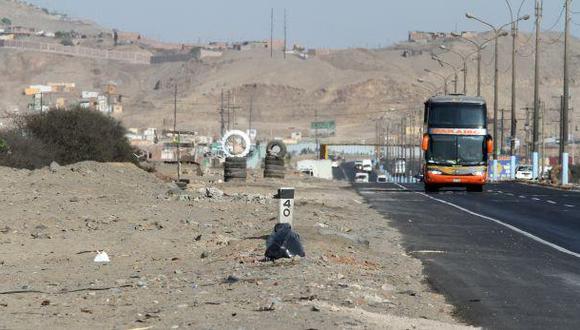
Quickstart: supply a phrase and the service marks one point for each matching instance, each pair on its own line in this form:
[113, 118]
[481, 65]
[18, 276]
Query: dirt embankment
[194, 259]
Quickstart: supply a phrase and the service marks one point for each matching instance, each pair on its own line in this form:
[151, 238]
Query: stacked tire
[274, 162]
[235, 169]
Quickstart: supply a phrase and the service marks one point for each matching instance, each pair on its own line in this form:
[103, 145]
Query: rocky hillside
[352, 86]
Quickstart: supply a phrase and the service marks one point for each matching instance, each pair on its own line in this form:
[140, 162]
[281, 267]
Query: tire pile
[235, 169]
[274, 163]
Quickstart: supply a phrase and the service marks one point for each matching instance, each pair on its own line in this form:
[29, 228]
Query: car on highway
[358, 166]
[361, 177]
[367, 165]
[524, 172]
[381, 178]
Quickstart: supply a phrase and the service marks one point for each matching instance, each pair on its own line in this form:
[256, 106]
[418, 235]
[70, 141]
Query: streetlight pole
[514, 122]
[479, 46]
[497, 31]
[535, 146]
[455, 70]
[565, 100]
[465, 58]
[444, 78]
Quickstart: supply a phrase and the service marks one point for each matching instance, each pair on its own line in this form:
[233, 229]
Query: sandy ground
[180, 259]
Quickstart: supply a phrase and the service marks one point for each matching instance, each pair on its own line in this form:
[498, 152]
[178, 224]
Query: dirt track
[181, 259]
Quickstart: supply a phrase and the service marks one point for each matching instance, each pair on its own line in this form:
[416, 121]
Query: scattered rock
[54, 167]
[275, 304]
[204, 255]
[315, 308]
[232, 279]
[74, 199]
[212, 192]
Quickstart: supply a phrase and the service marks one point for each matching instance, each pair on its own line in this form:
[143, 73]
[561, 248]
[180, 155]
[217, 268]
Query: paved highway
[508, 258]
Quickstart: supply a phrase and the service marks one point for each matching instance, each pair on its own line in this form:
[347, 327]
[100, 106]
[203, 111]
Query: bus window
[442, 150]
[457, 115]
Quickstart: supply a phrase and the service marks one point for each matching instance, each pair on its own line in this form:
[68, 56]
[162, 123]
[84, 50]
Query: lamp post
[479, 46]
[464, 59]
[514, 26]
[428, 86]
[444, 78]
[497, 31]
[455, 69]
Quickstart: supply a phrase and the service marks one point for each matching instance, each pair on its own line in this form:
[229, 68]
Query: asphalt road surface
[508, 258]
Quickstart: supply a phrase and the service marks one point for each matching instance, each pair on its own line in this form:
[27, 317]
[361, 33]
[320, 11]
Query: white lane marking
[428, 251]
[509, 194]
[358, 202]
[569, 205]
[536, 198]
[551, 202]
[522, 196]
[499, 222]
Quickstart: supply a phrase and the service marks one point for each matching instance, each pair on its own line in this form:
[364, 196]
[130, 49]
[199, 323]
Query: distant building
[200, 53]
[423, 36]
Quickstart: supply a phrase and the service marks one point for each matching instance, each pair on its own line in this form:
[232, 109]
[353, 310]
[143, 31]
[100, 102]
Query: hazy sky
[313, 23]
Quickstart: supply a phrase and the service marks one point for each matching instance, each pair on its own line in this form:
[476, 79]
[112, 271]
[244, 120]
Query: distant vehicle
[419, 177]
[524, 172]
[456, 143]
[400, 167]
[358, 166]
[361, 178]
[367, 165]
[382, 178]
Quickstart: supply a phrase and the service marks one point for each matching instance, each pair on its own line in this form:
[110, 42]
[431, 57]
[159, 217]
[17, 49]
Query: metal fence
[131, 57]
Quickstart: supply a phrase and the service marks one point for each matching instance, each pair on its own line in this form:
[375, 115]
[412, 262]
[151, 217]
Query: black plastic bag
[284, 243]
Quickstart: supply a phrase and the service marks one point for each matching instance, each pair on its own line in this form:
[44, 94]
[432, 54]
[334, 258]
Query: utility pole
[178, 153]
[502, 130]
[233, 109]
[527, 130]
[229, 112]
[514, 121]
[565, 100]
[272, 33]
[251, 110]
[285, 34]
[543, 137]
[222, 117]
[535, 145]
[495, 103]
[316, 133]
[479, 71]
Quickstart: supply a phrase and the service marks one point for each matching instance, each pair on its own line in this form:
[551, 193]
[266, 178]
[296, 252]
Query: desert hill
[352, 86]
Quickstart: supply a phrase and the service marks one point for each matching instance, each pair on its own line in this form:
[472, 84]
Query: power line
[557, 21]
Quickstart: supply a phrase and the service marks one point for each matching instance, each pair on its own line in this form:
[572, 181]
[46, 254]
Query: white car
[382, 178]
[361, 178]
[367, 165]
[524, 172]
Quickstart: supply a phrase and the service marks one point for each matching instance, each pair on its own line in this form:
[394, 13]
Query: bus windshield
[457, 115]
[456, 150]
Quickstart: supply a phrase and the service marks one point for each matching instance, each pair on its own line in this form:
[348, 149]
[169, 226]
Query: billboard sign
[323, 128]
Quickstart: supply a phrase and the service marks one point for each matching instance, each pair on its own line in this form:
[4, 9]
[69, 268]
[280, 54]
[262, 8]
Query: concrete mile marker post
[285, 198]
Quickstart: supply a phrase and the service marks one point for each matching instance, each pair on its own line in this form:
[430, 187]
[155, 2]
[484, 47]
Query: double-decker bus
[456, 143]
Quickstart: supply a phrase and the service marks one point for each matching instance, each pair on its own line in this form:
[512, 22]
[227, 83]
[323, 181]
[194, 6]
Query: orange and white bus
[456, 143]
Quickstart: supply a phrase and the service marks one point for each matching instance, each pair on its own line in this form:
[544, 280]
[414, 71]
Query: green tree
[80, 135]
[3, 146]
[5, 21]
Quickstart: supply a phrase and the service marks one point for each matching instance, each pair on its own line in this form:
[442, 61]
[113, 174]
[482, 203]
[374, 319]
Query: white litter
[102, 256]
